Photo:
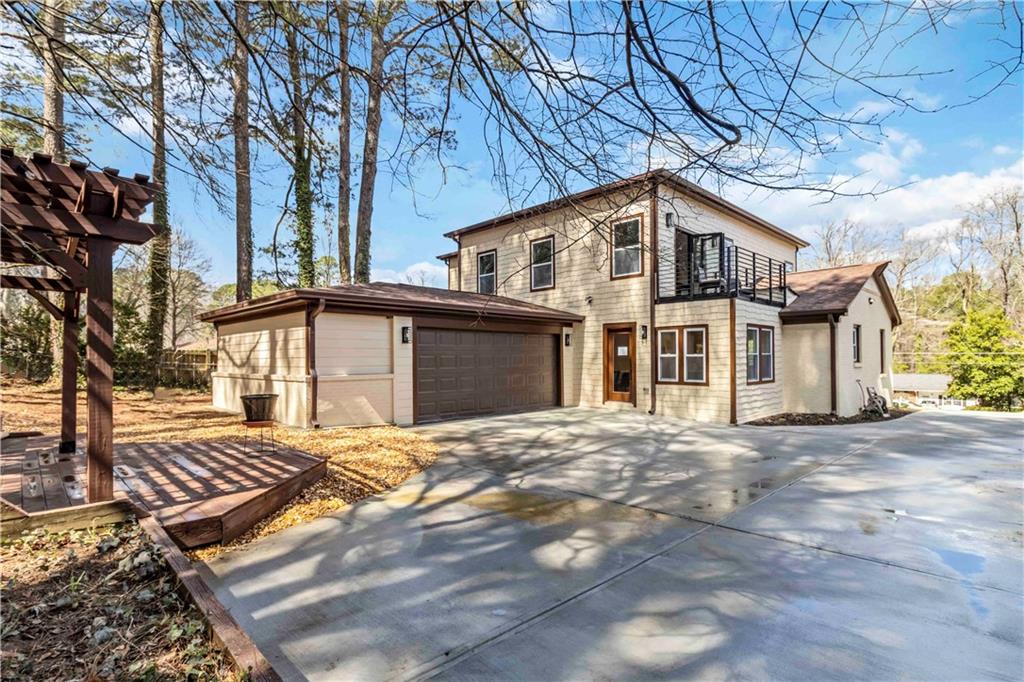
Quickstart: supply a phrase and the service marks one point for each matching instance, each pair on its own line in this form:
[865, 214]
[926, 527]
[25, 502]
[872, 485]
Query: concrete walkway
[583, 544]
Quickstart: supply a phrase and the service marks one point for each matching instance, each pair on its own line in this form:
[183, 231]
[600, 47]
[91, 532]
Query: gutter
[832, 363]
[311, 315]
[652, 337]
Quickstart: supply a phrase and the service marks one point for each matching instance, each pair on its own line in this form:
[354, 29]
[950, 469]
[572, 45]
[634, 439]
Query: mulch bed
[91, 605]
[798, 419]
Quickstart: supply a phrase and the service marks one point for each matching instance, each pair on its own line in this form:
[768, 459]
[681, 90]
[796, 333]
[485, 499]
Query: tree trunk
[243, 187]
[53, 137]
[344, 150]
[53, 92]
[301, 167]
[160, 246]
[371, 142]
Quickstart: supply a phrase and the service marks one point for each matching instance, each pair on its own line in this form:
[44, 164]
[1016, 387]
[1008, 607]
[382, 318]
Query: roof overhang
[653, 177]
[367, 303]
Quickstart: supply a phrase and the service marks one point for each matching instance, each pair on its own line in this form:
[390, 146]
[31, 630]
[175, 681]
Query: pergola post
[100, 369]
[69, 374]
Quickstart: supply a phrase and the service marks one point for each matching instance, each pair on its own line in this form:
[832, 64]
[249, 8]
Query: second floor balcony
[704, 266]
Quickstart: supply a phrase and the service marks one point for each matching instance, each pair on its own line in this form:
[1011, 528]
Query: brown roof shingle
[406, 298]
[832, 290]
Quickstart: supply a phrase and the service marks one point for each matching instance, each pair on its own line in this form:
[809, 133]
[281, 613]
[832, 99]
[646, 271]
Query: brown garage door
[465, 373]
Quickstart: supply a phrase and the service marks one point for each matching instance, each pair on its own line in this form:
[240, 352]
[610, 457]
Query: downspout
[311, 315]
[832, 362]
[652, 336]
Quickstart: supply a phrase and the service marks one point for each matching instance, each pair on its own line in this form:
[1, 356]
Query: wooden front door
[620, 363]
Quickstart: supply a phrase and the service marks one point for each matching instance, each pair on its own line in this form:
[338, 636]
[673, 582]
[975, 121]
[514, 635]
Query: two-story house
[646, 294]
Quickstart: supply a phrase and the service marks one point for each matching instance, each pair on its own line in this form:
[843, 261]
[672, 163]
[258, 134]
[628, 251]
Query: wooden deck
[199, 492]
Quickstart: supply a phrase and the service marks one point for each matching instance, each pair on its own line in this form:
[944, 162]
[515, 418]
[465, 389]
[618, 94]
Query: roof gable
[832, 290]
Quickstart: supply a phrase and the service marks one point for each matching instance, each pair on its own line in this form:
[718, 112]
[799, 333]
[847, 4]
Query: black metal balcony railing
[712, 266]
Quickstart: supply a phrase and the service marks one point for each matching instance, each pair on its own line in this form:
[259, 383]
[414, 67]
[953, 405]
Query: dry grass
[360, 462]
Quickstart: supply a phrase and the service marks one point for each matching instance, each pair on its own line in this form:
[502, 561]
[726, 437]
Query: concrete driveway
[588, 544]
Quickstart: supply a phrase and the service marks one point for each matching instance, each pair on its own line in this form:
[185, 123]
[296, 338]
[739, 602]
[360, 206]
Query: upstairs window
[487, 272]
[626, 260]
[856, 343]
[542, 263]
[760, 354]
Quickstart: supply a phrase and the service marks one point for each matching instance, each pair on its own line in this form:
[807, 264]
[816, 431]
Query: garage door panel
[464, 373]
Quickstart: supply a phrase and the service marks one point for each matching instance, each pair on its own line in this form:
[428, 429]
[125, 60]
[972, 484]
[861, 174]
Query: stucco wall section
[754, 401]
[703, 403]
[872, 317]
[292, 407]
[402, 388]
[807, 381]
[582, 282]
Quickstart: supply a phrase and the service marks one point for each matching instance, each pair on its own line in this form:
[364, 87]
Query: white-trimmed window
[760, 354]
[487, 272]
[542, 263]
[856, 343]
[668, 355]
[695, 355]
[626, 256]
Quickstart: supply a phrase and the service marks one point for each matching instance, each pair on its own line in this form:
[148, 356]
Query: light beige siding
[869, 311]
[754, 401]
[354, 363]
[402, 388]
[266, 355]
[582, 283]
[703, 403]
[807, 380]
[270, 345]
[453, 274]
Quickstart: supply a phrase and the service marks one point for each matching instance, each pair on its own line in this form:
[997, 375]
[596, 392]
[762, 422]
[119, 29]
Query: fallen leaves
[360, 461]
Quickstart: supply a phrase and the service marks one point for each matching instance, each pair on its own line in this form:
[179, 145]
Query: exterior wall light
[568, 340]
[406, 334]
[643, 332]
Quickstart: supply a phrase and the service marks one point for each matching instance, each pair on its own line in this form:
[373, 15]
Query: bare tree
[187, 291]
[845, 242]
[344, 144]
[995, 225]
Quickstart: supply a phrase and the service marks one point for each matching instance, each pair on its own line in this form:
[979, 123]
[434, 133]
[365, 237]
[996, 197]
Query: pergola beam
[69, 375]
[37, 283]
[48, 306]
[68, 223]
[53, 253]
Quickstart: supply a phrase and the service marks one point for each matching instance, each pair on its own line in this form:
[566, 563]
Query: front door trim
[606, 330]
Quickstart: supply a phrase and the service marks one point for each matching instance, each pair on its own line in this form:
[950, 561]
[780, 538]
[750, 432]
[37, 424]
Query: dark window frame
[858, 342]
[479, 256]
[550, 238]
[760, 328]
[639, 217]
[881, 351]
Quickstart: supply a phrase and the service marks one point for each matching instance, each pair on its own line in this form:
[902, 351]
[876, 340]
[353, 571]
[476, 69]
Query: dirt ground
[800, 419]
[360, 462]
[85, 605]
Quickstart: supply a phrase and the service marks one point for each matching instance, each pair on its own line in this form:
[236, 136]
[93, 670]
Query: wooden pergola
[70, 220]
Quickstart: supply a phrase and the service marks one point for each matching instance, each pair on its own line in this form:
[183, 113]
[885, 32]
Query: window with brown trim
[856, 343]
[542, 263]
[487, 272]
[683, 355]
[627, 259]
[760, 354]
[668, 355]
[695, 355]
[881, 351]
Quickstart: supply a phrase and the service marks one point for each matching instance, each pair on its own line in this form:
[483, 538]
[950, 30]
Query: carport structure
[69, 221]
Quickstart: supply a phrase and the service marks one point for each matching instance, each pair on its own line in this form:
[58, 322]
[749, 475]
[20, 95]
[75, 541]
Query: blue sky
[950, 158]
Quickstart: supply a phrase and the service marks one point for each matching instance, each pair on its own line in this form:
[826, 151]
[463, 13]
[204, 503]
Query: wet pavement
[581, 544]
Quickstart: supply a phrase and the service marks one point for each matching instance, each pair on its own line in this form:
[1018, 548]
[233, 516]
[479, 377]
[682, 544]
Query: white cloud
[895, 151]
[423, 274]
[1002, 150]
[925, 207]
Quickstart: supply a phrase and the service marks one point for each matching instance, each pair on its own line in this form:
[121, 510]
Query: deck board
[199, 492]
